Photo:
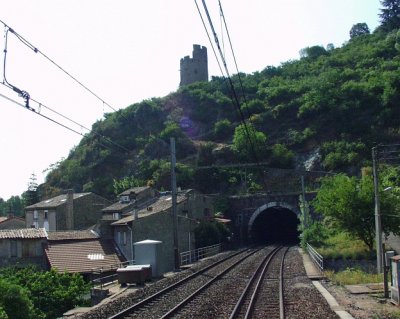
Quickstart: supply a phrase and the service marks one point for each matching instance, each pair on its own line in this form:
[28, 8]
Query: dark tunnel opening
[275, 225]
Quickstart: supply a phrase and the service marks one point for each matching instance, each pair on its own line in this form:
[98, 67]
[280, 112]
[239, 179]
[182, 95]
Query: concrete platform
[313, 272]
[365, 288]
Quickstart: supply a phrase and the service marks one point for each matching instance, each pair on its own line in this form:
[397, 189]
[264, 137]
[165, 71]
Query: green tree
[223, 129]
[359, 29]
[127, 182]
[209, 233]
[15, 205]
[348, 203]
[3, 314]
[14, 300]
[313, 52]
[31, 196]
[390, 14]
[281, 156]
[51, 293]
[248, 142]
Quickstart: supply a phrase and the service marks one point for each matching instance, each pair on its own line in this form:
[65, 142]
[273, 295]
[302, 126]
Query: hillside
[330, 106]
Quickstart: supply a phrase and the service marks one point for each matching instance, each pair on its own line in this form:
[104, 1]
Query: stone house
[22, 246]
[127, 202]
[12, 222]
[154, 221]
[71, 211]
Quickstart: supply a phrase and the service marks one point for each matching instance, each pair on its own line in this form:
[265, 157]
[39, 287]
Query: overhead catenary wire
[60, 124]
[235, 97]
[36, 50]
[233, 55]
[82, 126]
[209, 38]
[236, 64]
[27, 97]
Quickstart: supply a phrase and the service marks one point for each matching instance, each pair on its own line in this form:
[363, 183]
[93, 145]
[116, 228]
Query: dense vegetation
[340, 102]
[332, 104]
[30, 293]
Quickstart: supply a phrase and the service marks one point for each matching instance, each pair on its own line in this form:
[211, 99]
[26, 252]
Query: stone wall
[194, 69]
[87, 210]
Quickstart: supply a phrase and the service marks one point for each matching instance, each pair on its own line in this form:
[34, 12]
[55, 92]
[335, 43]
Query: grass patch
[388, 315]
[344, 246]
[353, 276]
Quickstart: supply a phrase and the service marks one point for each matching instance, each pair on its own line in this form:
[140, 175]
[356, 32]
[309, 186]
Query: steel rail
[179, 306]
[142, 303]
[281, 292]
[246, 290]
[257, 287]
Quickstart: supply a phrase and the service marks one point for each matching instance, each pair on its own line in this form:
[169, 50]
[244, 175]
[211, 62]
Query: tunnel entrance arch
[274, 222]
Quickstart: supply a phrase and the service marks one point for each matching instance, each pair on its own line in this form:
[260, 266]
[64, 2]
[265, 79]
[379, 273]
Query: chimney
[70, 210]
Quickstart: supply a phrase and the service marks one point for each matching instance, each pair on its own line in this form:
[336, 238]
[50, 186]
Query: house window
[124, 199]
[13, 248]
[46, 214]
[35, 215]
[116, 216]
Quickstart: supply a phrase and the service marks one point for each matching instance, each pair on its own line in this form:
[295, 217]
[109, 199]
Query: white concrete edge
[332, 301]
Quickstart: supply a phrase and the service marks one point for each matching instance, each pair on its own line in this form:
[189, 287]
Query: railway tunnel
[275, 224]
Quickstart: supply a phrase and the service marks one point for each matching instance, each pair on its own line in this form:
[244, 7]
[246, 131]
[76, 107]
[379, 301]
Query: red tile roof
[83, 256]
[72, 235]
[23, 233]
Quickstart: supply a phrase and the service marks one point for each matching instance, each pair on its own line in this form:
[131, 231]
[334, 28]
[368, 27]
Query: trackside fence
[106, 275]
[315, 256]
[191, 256]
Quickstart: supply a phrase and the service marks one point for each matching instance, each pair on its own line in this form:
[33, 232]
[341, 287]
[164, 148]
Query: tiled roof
[135, 190]
[83, 256]
[72, 235]
[55, 201]
[162, 204]
[23, 233]
[5, 218]
[117, 207]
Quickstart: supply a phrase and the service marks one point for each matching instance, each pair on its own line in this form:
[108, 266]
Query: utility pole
[305, 206]
[378, 224]
[174, 214]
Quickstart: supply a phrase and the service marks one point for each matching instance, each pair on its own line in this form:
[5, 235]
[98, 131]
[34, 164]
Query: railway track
[270, 289]
[166, 302]
[247, 284]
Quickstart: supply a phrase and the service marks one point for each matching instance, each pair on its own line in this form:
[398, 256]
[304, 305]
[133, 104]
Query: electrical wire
[63, 125]
[237, 104]
[209, 38]
[82, 126]
[44, 116]
[27, 97]
[234, 56]
[36, 50]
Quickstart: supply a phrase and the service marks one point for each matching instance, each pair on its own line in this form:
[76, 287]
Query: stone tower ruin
[194, 69]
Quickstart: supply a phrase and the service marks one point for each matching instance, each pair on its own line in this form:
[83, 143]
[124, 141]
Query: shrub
[14, 301]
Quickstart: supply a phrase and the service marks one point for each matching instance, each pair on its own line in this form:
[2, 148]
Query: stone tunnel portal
[275, 225]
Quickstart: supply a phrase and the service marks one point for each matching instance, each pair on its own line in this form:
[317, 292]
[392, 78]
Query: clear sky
[129, 50]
